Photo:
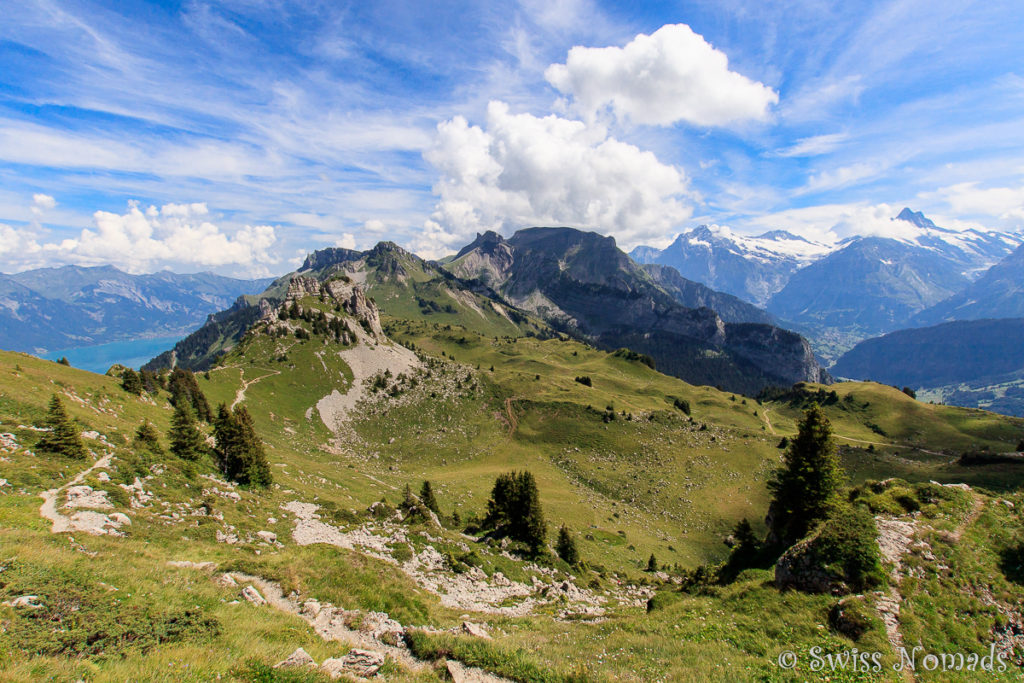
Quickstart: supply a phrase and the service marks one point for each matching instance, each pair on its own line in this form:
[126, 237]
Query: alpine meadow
[561, 342]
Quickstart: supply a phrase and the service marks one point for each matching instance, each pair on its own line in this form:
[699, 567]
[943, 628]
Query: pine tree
[63, 360]
[186, 440]
[257, 468]
[131, 382]
[806, 487]
[183, 386]
[745, 550]
[566, 547]
[652, 563]
[427, 497]
[1020, 446]
[63, 437]
[514, 510]
[147, 437]
[239, 451]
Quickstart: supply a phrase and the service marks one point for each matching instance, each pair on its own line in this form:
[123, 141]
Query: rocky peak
[324, 258]
[915, 217]
[351, 297]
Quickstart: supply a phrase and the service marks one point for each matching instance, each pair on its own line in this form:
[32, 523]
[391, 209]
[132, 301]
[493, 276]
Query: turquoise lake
[99, 358]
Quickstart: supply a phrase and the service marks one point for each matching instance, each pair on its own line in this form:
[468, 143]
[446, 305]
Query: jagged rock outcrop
[582, 283]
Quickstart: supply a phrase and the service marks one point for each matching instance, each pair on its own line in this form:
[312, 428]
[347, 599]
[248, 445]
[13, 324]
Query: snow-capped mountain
[750, 267]
[844, 291]
[975, 250]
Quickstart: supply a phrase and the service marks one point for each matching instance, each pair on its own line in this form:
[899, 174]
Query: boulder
[253, 596]
[475, 630]
[361, 663]
[299, 658]
[25, 602]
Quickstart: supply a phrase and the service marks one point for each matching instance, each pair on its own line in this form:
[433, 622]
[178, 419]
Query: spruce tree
[183, 386]
[514, 510]
[184, 435]
[805, 488]
[239, 451]
[532, 528]
[257, 467]
[652, 563]
[131, 382]
[63, 437]
[566, 547]
[147, 437]
[427, 497]
[745, 550]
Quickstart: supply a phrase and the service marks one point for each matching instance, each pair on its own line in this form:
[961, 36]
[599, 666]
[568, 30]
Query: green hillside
[633, 462]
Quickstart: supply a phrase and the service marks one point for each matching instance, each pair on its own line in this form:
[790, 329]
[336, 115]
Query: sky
[237, 136]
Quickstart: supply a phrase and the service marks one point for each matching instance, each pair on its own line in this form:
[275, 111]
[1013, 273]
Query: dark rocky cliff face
[584, 284]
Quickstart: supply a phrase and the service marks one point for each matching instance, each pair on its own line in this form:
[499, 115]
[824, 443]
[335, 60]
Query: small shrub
[585, 381]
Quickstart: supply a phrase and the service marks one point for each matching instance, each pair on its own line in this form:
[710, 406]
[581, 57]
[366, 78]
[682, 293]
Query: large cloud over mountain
[659, 79]
[519, 170]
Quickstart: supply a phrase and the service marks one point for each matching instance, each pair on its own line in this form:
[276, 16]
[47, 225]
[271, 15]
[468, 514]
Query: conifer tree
[239, 451]
[183, 386]
[745, 550]
[131, 382]
[184, 435]
[63, 437]
[514, 510]
[147, 437]
[652, 563]
[565, 546]
[257, 467]
[427, 497]
[805, 488]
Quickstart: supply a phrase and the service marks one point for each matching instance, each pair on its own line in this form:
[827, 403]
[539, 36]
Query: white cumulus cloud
[519, 170]
[179, 236]
[659, 79]
[42, 202]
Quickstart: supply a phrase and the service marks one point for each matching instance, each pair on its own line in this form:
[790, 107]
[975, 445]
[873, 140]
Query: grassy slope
[661, 485]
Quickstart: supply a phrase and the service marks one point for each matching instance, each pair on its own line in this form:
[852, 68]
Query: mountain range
[71, 306]
[859, 287]
[549, 281]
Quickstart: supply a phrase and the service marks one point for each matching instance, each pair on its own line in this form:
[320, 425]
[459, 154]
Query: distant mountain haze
[859, 287]
[70, 306]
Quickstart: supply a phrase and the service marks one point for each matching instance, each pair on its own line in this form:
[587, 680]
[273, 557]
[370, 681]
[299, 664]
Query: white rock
[120, 519]
[25, 601]
[475, 630]
[268, 536]
[227, 581]
[103, 476]
[362, 663]
[296, 659]
[86, 497]
[311, 609]
[253, 596]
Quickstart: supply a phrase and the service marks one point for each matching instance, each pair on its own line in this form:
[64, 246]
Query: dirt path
[768, 421]
[513, 422]
[893, 445]
[48, 510]
[240, 395]
[895, 536]
[972, 516]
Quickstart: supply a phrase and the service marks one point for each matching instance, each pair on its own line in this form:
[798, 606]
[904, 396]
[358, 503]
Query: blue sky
[236, 136]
